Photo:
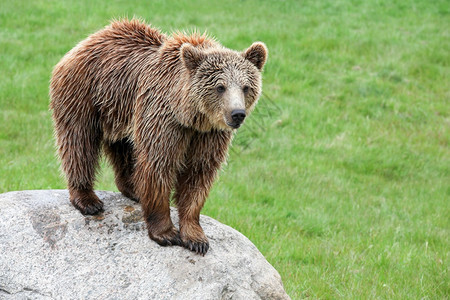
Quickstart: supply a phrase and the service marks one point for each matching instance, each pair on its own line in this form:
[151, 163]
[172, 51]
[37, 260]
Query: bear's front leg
[206, 153]
[153, 190]
[159, 154]
[190, 194]
[159, 225]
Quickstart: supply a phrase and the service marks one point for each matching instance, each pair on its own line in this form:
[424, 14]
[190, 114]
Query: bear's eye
[220, 89]
[245, 89]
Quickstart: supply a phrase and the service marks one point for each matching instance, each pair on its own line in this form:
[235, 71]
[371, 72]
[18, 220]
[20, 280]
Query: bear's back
[101, 73]
[104, 75]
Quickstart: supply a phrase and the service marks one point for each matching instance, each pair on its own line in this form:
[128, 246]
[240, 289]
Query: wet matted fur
[163, 108]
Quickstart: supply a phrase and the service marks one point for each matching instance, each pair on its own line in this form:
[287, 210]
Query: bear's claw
[174, 241]
[200, 247]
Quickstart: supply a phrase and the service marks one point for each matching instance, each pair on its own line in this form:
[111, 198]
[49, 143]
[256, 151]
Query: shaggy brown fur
[163, 108]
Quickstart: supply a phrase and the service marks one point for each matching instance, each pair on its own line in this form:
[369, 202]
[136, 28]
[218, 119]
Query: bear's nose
[238, 115]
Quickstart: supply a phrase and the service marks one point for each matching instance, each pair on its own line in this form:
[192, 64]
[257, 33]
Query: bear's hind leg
[78, 148]
[121, 156]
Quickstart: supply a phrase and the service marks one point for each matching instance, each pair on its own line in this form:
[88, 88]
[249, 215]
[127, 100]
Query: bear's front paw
[199, 247]
[168, 238]
[194, 238]
[87, 203]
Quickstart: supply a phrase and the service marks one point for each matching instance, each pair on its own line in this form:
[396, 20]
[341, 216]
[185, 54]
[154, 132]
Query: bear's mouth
[234, 125]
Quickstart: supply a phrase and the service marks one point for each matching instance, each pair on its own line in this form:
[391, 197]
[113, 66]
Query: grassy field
[341, 177]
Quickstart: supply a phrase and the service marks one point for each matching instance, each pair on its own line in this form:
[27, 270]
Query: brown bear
[163, 108]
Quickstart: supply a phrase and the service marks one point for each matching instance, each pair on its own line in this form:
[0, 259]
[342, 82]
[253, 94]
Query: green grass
[343, 182]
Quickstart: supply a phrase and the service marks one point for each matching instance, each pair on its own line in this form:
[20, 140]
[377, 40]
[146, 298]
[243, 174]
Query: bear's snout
[238, 116]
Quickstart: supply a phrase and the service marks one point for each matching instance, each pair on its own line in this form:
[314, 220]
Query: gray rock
[48, 250]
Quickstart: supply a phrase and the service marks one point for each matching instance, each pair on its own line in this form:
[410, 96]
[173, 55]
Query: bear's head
[225, 84]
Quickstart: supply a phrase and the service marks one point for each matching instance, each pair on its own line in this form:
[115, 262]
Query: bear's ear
[191, 56]
[257, 54]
